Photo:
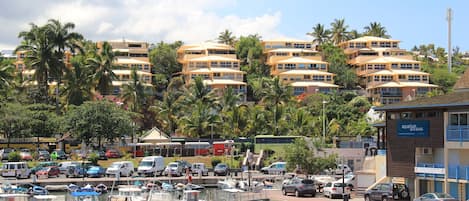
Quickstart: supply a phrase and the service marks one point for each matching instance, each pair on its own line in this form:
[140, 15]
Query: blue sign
[406, 128]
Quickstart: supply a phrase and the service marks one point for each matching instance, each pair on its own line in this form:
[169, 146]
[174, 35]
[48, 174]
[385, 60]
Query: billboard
[409, 128]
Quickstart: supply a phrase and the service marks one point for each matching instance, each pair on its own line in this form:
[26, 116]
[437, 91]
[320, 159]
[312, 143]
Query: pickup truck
[199, 168]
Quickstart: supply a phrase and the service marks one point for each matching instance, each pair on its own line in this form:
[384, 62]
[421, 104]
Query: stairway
[256, 159]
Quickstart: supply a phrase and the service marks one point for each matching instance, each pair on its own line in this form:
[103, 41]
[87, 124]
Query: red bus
[200, 148]
[223, 147]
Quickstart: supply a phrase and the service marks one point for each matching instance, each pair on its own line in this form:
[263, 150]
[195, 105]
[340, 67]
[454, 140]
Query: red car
[48, 172]
[113, 153]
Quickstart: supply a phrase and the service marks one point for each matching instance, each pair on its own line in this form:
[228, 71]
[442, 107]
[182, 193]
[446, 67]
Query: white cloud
[152, 21]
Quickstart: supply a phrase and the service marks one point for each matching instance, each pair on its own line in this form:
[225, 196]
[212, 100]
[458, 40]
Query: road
[276, 195]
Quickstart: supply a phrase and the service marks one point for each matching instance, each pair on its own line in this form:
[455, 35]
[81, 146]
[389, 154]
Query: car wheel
[384, 199]
[131, 174]
[297, 194]
[284, 192]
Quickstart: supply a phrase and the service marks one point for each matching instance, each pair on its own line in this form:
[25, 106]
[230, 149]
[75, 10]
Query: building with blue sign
[427, 142]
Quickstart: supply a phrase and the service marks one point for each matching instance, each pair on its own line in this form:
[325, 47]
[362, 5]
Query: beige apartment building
[215, 63]
[389, 74]
[130, 54]
[297, 63]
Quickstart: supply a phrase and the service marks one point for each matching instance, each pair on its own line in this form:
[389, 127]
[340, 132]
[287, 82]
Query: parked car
[349, 180]
[26, 155]
[436, 197]
[275, 168]
[121, 168]
[342, 168]
[95, 171]
[4, 153]
[151, 165]
[185, 165]
[173, 169]
[61, 155]
[43, 155]
[300, 187]
[41, 165]
[75, 170]
[199, 168]
[16, 169]
[388, 191]
[221, 169]
[101, 155]
[112, 153]
[335, 189]
[48, 172]
[63, 166]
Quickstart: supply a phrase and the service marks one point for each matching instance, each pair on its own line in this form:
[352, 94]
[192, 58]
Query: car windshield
[197, 166]
[146, 163]
[173, 165]
[307, 181]
[94, 168]
[115, 165]
[443, 195]
[221, 166]
[337, 184]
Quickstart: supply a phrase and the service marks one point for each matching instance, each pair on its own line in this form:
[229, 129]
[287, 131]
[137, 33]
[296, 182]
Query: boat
[101, 188]
[191, 195]
[72, 187]
[85, 196]
[128, 193]
[167, 187]
[44, 197]
[56, 187]
[38, 190]
[227, 183]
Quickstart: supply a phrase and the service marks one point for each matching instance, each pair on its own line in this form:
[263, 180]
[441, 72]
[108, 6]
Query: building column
[417, 186]
[445, 153]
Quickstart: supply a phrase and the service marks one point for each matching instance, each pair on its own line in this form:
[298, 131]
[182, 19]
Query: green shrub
[215, 161]
[14, 156]
[93, 158]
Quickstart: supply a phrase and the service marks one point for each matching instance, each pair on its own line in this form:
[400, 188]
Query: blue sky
[412, 22]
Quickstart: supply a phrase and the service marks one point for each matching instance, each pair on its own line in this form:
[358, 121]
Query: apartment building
[215, 63]
[428, 142]
[297, 63]
[389, 74]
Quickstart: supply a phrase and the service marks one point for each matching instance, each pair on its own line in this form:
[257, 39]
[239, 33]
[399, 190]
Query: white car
[342, 168]
[334, 189]
[121, 168]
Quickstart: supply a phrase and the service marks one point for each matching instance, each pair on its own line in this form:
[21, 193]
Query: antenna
[450, 55]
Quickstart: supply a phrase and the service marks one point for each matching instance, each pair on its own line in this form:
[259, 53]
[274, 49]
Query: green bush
[93, 158]
[215, 161]
[14, 156]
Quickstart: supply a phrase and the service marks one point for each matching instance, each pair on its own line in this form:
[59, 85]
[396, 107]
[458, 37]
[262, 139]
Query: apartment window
[323, 66]
[424, 78]
[279, 66]
[394, 44]
[394, 66]
[376, 78]
[125, 77]
[402, 77]
[307, 77]
[216, 75]
[225, 64]
[290, 66]
[308, 46]
[135, 45]
[146, 78]
[298, 90]
[369, 79]
[146, 67]
[201, 65]
[296, 54]
[374, 44]
[329, 78]
[431, 114]
[235, 64]
[312, 66]
[416, 66]
[392, 116]
[386, 78]
[214, 64]
[301, 66]
[406, 115]
[419, 115]
[369, 66]
[299, 45]
[458, 119]
[351, 45]
[386, 54]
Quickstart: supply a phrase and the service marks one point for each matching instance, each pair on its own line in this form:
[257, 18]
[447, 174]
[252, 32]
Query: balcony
[457, 133]
[435, 170]
[391, 94]
[458, 172]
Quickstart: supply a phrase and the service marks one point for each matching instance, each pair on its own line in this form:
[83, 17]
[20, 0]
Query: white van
[275, 168]
[16, 169]
[151, 165]
[121, 168]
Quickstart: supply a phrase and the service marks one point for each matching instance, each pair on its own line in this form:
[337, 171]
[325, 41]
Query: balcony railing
[458, 172]
[436, 170]
[391, 94]
[457, 133]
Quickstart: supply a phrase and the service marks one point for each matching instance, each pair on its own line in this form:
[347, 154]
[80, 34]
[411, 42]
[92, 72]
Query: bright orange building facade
[389, 74]
[215, 63]
[298, 64]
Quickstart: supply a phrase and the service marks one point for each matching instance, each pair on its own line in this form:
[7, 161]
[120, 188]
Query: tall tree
[102, 65]
[277, 94]
[79, 83]
[133, 92]
[14, 121]
[320, 34]
[6, 78]
[164, 59]
[376, 29]
[338, 31]
[226, 37]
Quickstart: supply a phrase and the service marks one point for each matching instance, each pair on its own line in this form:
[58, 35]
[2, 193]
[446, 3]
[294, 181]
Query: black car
[300, 187]
[221, 169]
[388, 191]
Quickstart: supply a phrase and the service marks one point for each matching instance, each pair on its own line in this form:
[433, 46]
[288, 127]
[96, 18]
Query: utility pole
[450, 55]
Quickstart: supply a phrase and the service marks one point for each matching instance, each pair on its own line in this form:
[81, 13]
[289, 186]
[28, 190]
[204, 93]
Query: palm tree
[376, 29]
[300, 122]
[39, 53]
[320, 34]
[198, 91]
[6, 78]
[102, 65]
[133, 92]
[276, 94]
[167, 111]
[338, 31]
[226, 37]
[62, 38]
[199, 122]
[78, 87]
[353, 34]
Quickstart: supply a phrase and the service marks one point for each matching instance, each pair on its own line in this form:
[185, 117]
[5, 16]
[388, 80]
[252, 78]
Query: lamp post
[324, 121]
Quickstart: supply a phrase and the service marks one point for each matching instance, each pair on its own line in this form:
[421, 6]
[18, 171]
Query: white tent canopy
[155, 136]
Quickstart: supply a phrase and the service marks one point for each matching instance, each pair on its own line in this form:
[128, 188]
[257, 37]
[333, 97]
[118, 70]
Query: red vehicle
[200, 148]
[48, 172]
[111, 153]
[221, 148]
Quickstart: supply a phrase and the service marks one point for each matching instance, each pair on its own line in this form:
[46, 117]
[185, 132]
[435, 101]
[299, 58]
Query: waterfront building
[389, 74]
[130, 54]
[297, 63]
[427, 142]
[215, 63]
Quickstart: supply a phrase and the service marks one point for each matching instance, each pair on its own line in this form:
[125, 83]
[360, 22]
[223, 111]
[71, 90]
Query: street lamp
[324, 121]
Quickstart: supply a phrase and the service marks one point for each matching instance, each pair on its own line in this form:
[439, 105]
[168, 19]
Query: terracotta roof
[448, 100]
[463, 83]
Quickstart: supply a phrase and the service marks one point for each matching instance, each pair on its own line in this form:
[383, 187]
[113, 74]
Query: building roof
[300, 60]
[205, 46]
[128, 72]
[223, 82]
[130, 61]
[120, 83]
[455, 99]
[218, 70]
[293, 40]
[310, 83]
[292, 50]
[402, 84]
[212, 58]
[125, 41]
[397, 72]
[388, 59]
[155, 135]
[305, 72]
[463, 83]
[372, 38]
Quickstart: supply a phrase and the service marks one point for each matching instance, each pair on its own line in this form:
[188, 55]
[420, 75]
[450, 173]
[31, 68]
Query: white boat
[156, 195]
[191, 195]
[128, 193]
[45, 197]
